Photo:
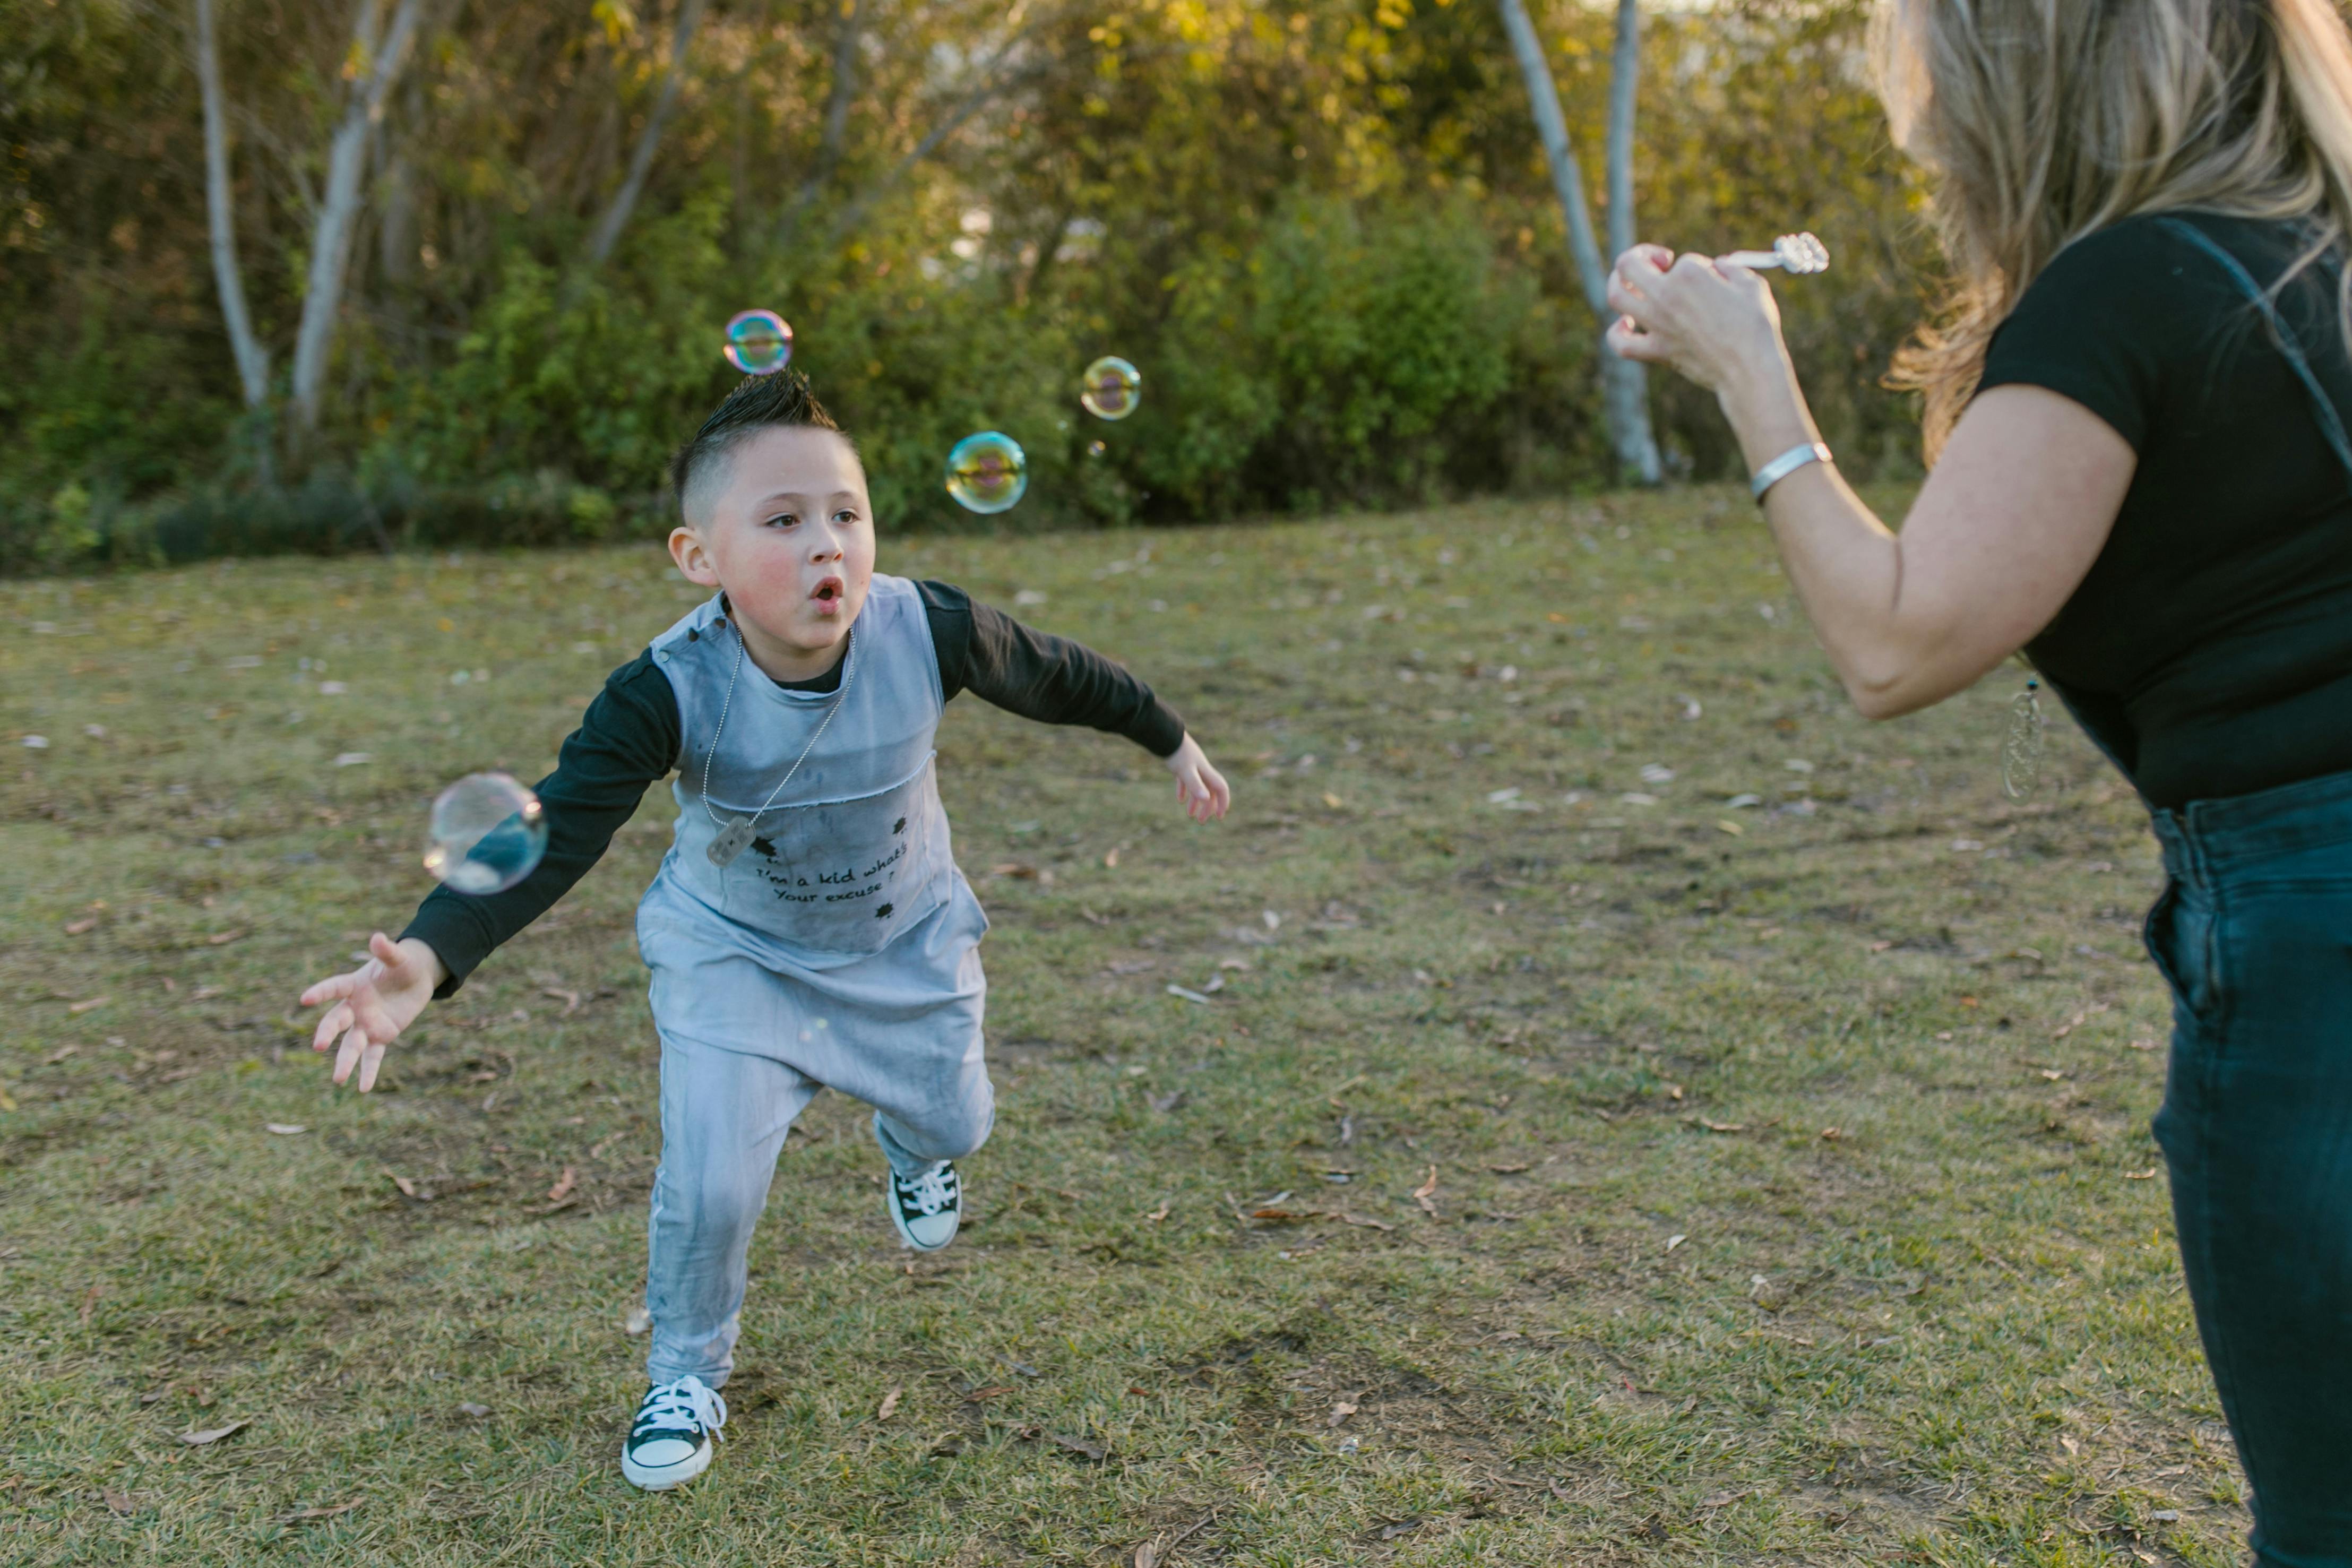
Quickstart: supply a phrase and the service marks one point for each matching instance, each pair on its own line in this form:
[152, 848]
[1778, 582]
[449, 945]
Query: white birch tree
[376, 60]
[252, 359]
[1624, 388]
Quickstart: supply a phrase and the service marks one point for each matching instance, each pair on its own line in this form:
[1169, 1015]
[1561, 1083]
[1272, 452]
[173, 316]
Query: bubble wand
[1791, 253]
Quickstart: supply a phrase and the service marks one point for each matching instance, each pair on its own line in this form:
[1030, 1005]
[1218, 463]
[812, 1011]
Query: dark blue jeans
[2255, 933]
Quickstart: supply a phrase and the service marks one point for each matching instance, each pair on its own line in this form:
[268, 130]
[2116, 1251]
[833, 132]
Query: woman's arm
[2018, 506]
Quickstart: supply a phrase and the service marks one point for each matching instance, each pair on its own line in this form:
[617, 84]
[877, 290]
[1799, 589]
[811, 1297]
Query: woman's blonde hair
[2045, 119]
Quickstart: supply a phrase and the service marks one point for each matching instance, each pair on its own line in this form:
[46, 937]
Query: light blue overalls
[840, 949]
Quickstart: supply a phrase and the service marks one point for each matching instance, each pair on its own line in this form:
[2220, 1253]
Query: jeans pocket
[2179, 935]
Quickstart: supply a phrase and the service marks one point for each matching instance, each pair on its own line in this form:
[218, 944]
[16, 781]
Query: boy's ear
[692, 556]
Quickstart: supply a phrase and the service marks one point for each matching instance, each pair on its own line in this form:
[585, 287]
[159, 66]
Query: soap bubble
[1112, 388]
[759, 342]
[987, 472]
[487, 834]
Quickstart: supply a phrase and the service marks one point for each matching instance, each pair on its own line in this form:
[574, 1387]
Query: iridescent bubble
[987, 472]
[487, 834]
[759, 342]
[1112, 388]
[1095, 448]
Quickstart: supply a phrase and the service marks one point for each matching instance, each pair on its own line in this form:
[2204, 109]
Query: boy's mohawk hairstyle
[759, 402]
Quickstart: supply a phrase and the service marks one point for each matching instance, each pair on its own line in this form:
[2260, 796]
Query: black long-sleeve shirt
[630, 736]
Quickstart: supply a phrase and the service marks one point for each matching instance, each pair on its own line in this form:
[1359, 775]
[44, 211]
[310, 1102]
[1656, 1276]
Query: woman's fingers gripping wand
[1628, 336]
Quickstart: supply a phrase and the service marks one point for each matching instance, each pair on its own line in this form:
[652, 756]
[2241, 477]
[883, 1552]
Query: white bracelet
[1786, 463]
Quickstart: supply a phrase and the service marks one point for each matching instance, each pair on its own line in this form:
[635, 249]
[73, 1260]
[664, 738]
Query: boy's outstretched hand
[1201, 789]
[373, 1003]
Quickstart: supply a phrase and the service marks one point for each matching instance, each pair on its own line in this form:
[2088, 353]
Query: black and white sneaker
[676, 1430]
[927, 1209]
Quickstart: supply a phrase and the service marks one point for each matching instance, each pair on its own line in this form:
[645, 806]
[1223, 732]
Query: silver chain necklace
[736, 832]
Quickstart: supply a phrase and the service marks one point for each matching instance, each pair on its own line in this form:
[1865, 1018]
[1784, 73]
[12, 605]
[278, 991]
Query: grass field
[1575, 1165]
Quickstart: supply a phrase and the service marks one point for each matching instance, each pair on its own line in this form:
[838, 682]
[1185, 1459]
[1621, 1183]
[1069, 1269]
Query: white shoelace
[928, 1192]
[685, 1405]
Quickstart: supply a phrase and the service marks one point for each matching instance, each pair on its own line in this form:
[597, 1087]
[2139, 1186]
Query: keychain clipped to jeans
[2021, 749]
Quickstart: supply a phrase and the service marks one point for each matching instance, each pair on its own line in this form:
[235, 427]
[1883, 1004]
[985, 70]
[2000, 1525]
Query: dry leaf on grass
[468, 1407]
[1156, 1215]
[120, 1502]
[1424, 1192]
[90, 1303]
[80, 1008]
[302, 1515]
[1147, 1556]
[563, 1186]
[994, 1391]
[215, 1434]
[889, 1404]
[1509, 1169]
[1340, 1411]
[77, 928]
[1366, 1221]
[1722, 1126]
[571, 999]
[1401, 1527]
[225, 938]
[1723, 1498]
[1080, 1446]
[409, 1189]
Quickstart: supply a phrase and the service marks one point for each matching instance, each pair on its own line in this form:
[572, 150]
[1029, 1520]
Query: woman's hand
[373, 1003]
[1717, 325]
[1201, 789]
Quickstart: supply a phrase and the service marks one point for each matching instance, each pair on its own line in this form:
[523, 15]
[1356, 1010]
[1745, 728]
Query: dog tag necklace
[736, 832]
[2021, 749]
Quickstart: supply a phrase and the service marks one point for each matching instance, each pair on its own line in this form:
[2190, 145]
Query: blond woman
[2136, 416]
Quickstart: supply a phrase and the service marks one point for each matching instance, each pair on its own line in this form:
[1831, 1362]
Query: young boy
[809, 926]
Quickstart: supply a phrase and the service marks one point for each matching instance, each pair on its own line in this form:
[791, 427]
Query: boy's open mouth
[828, 596]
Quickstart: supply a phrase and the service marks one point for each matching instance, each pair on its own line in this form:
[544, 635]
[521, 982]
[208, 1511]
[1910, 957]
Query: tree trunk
[1628, 381]
[252, 359]
[1624, 393]
[338, 202]
[616, 217]
[849, 26]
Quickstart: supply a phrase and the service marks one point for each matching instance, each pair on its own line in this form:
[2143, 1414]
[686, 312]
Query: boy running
[809, 926]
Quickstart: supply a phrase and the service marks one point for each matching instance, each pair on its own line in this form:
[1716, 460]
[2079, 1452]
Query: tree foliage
[1323, 227]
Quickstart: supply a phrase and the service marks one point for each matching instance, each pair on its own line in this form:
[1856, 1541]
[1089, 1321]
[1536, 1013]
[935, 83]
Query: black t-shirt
[630, 737]
[2209, 650]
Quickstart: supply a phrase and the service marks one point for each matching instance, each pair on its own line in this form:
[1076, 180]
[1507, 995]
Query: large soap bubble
[987, 472]
[759, 342]
[1112, 388]
[487, 834]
